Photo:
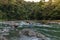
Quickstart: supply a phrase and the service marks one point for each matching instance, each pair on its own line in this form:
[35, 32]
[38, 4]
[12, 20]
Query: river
[52, 31]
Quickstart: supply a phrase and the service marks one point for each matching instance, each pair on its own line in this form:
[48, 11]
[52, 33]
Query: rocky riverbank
[3, 38]
[27, 34]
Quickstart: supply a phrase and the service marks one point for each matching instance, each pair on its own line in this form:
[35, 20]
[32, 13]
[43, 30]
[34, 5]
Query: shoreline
[36, 21]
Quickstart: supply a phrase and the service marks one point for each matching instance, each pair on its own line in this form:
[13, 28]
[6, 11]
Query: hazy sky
[35, 0]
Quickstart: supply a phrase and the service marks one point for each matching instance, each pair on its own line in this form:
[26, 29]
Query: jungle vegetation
[22, 10]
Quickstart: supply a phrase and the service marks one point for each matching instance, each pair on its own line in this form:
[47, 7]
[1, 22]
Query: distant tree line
[22, 10]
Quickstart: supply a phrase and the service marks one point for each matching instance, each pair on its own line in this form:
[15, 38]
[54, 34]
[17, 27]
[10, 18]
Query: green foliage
[20, 10]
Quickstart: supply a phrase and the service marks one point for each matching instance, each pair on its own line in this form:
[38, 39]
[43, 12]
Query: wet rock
[3, 38]
[28, 38]
[39, 35]
[28, 33]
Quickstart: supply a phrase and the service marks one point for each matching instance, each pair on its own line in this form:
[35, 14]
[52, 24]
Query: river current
[52, 31]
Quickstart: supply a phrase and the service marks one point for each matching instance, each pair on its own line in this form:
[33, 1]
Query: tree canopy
[21, 10]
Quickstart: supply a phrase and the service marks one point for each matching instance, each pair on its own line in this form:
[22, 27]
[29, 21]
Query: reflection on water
[51, 31]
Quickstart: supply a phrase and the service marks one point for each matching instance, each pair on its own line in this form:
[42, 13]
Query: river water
[52, 31]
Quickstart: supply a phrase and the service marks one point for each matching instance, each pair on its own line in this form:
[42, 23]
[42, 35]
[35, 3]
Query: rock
[39, 35]
[28, 32]
[32, 34]
[28, 38]
[2, 38]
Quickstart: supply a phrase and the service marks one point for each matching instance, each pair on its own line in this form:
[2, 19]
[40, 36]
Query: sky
[36, 0]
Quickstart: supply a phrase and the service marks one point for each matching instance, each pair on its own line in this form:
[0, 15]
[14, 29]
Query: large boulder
[32, 34]
[28, 32]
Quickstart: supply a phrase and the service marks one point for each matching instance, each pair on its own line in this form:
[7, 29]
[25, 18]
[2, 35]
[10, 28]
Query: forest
[22, 10]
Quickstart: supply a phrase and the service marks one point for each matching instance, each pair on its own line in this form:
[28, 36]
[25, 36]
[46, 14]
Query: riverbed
[52, 32]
